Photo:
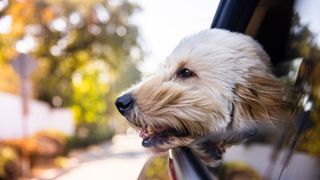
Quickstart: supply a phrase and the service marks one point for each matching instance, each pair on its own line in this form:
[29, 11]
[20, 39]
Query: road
[120, 160]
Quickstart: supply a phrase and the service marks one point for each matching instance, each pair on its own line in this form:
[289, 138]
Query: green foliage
[102, 33]
[67, 36]
[156, 168]
[9, 169]
[91, 86]
[84, 55]
[7, 155]
[91, 91]
[235, 170]
[88, 135]
[303, 44]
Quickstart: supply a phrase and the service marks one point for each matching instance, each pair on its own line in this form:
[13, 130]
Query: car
[287, 30]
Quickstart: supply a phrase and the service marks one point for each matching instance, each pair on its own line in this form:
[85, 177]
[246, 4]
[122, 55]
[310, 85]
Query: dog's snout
[124, 103]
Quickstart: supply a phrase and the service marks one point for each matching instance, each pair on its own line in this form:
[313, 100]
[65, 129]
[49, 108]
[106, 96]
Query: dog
[213, 81]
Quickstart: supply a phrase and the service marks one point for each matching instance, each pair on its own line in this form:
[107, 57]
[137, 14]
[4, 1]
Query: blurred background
[62, 64]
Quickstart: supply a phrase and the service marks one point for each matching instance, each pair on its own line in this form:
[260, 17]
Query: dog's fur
[232, 88]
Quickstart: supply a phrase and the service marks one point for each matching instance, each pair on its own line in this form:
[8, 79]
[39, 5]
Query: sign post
[24, 65]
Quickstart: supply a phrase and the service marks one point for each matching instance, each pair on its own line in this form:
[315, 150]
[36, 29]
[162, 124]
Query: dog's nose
[124, 103]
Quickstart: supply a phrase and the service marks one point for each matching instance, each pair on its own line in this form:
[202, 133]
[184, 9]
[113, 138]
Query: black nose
[124, 103]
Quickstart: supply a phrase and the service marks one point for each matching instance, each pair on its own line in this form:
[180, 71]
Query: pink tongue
[143, 132]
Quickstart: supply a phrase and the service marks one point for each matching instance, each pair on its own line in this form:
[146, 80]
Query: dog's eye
[185, 73]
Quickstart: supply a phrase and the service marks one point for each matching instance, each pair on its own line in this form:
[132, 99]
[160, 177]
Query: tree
[68, 39]
[302, 44]
[69, 34]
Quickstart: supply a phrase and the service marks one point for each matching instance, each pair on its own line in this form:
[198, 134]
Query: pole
[25, 130]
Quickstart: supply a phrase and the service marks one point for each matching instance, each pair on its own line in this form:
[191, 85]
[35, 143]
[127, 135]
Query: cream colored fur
[231, 69]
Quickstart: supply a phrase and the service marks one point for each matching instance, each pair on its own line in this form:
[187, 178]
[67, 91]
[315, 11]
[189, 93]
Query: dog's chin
[160, 140]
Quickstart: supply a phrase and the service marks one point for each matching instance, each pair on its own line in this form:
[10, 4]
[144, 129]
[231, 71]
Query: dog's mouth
[152, 138]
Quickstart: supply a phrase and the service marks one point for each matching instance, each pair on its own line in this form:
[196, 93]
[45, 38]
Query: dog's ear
[261, 99]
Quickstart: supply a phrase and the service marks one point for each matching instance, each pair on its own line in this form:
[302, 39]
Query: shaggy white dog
[213, 81]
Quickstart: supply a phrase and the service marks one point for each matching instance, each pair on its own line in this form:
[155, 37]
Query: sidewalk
[121, 159]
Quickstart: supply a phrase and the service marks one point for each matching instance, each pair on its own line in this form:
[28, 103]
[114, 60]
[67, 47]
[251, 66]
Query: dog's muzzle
[124, 103]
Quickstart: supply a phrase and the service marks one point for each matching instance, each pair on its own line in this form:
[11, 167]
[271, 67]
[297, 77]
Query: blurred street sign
[24, 65]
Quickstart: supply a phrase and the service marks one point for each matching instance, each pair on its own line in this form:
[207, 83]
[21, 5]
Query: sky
[309, 11]
[162, 24]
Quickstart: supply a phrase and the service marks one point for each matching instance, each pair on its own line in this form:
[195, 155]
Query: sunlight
[26, 44]
[5, 24]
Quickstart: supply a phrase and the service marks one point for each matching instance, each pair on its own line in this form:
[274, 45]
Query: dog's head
[212, 81]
